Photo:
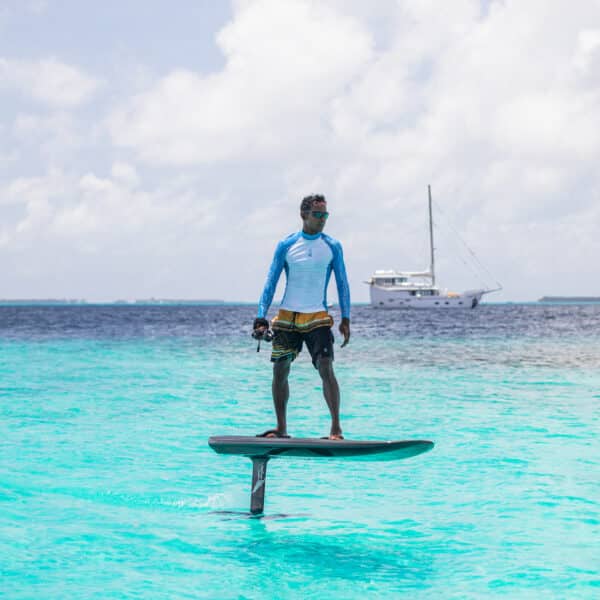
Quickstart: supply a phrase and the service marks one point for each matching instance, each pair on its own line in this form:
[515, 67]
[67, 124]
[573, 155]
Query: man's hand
[259, 329]
[345, 330]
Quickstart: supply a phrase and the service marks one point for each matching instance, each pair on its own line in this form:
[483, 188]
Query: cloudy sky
[151, 148]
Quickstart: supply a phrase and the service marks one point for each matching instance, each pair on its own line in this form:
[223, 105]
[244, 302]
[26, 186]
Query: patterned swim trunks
[292, 329]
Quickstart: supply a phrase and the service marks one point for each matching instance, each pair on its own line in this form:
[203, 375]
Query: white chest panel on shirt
[307, 265]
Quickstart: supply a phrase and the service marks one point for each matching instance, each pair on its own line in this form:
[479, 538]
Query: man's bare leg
[281, 393]
[331, 391]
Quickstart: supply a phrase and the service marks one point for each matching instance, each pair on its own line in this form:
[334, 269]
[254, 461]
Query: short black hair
[308, 201]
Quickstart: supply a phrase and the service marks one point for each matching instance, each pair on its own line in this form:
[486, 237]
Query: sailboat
[417, 289]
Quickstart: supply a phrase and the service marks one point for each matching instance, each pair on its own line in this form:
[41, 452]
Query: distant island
[569, 299]
[70, 302]
[41, 301]
[169, 301]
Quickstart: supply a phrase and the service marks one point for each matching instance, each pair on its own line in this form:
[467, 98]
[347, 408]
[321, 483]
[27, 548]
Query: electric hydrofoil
[261, 449]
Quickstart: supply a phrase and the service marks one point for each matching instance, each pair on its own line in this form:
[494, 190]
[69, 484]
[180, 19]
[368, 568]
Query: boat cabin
[412, 284]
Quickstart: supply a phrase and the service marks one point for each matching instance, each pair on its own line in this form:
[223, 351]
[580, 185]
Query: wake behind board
[260, 450]
[317, 448]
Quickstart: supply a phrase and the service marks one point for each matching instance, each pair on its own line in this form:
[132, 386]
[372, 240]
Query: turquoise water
[108, 489]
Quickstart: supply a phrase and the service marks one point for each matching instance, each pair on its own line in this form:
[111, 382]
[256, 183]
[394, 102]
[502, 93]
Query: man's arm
[343, 289]
[272, 279]
[341, 280]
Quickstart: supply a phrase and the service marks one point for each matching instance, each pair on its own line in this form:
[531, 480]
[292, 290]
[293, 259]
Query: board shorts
[292, 329]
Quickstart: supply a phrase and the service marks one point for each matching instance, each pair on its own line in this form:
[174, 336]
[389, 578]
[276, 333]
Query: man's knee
[325, 367]
[281, 369]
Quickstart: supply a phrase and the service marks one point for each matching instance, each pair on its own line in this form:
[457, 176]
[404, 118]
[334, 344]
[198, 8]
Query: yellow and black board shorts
[292, 329]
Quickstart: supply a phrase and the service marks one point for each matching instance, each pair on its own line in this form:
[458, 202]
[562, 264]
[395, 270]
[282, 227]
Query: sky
[159, 149]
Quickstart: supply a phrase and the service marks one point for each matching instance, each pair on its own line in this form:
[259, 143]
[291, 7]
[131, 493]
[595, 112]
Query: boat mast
[432, 267]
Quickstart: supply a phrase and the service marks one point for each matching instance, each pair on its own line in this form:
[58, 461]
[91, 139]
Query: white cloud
[285, 63]
[48, 81]
[125, 174]
[107, 236]
[37, 7]
[60, 205]
[300, 75]
[55, 135]
[7, 158]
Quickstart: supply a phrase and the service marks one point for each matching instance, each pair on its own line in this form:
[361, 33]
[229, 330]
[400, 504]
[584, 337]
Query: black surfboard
[256, 447]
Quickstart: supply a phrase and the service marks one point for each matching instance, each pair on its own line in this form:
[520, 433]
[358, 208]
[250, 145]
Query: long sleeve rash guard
[308, 261]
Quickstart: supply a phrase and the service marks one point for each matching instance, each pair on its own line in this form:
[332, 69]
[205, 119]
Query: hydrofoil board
[261, 449]
[255, 447]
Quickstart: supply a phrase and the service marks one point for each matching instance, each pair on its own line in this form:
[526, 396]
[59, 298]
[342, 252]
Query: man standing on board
[308, 258]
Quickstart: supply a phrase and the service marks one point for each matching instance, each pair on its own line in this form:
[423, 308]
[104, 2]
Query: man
[308, 257]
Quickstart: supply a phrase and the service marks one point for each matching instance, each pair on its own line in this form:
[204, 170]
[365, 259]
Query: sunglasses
[319, 214]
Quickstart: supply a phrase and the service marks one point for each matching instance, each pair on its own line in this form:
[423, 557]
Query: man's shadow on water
[403, 561]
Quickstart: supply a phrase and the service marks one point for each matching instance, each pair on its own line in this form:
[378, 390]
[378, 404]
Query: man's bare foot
[336, 436]
[273, 433]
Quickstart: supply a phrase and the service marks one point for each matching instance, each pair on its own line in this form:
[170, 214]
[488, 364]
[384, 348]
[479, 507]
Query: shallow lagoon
[108, 489]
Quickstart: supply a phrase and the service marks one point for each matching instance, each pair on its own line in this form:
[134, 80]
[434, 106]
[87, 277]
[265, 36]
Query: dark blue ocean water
[108, 489]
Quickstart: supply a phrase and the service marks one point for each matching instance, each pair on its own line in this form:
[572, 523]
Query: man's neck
[309, 235]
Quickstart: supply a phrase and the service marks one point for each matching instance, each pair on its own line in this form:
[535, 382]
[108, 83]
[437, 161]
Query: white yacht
[417, 289]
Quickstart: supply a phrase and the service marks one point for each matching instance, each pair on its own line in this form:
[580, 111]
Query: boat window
[399, 280]
[413, 292]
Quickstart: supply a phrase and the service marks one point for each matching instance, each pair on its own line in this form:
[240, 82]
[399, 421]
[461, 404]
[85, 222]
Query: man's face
[315, 219]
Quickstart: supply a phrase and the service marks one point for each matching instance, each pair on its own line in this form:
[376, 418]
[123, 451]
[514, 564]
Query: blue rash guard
[308, 261]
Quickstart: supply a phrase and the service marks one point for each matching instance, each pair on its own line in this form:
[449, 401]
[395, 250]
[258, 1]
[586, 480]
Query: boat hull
[390, 298]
